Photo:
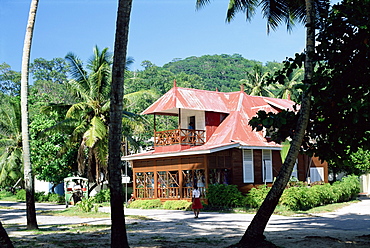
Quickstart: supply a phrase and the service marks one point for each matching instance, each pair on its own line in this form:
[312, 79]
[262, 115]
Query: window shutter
[267, 166]
[316, 174]
[295, 170]
[248, 170]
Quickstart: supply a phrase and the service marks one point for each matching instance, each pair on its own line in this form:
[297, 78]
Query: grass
[6, 197]
[73, 211]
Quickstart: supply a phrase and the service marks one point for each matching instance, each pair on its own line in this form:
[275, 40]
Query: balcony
[179, 137]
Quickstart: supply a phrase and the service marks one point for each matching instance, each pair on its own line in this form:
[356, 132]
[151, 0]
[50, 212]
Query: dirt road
[347, 227]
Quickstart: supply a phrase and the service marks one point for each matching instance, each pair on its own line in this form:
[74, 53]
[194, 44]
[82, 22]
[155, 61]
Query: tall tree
[254, 232]
[118, 234]
[90, 114]
[28, 175]
[276, 12]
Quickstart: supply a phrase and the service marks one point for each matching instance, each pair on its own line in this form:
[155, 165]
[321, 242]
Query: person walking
[197, 205]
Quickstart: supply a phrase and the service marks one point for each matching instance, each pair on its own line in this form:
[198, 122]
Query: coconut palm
[256, 82]
[277, 12]
[291, 89]
[90, 115]
[11, 162]
[28, 175]
[118, 230]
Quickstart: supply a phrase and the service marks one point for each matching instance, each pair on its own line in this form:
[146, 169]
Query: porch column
[181, 181]
[179, 121]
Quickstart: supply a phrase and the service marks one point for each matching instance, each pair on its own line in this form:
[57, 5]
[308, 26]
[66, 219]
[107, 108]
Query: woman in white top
[197, 205]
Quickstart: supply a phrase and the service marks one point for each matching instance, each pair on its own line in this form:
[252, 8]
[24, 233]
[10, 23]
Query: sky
[160, 31]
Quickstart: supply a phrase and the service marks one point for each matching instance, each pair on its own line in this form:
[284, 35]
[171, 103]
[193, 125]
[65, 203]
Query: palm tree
[11, 168]
[276, 12]
[291, 89]
[256, 82]
[90, 114]
[118, 234]
[28, 175]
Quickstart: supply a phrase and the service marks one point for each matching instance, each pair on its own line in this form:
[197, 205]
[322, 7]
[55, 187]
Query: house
[212, 144]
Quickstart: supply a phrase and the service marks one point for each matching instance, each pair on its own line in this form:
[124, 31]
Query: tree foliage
[10, 81]
[340, 102]
[50, 164]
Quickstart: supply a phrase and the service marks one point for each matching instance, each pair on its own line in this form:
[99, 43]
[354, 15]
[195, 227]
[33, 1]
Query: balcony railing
[179, 136]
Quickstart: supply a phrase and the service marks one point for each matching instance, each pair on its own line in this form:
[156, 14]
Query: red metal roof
[233, 130]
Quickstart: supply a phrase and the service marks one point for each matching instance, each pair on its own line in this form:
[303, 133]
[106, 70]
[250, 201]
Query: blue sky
[160, 30]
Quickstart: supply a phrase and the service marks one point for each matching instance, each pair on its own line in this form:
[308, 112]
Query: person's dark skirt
[197, 204]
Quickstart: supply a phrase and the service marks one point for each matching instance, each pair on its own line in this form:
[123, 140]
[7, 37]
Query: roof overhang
[261, 148]
[191, 152]
[180, 153]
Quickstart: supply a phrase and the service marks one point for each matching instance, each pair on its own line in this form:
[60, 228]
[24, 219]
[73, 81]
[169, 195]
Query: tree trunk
[254, 233]
[5, 241]
[28, 175]
[118, 235]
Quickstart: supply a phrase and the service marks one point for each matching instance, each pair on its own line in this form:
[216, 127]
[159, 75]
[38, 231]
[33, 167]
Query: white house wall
[199, 119]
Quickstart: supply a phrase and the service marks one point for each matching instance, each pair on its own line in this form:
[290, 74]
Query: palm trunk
[28, 175]
[5, 241]
[118, 235]
[254, 234]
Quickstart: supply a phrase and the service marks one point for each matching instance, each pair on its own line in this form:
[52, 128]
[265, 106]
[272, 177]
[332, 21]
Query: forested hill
[222, 71]
[208, 72]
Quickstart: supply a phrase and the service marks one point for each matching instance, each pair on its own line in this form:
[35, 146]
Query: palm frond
[76, 68]
[97, 131]
[75, 109]
[201, 3]
[79, 89]
[246, 6]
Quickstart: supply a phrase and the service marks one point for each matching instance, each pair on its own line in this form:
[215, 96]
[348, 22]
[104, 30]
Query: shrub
[87, 205]
[102, 196]
[304, 198]
[55, 198]
[222, 195]
[49, 197]
[4, 194]
[146, 204]
[177, 205]
[290, 197]
[256, 196]
[21, 195]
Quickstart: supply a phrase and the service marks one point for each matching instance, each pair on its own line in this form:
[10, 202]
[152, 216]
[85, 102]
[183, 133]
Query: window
[267, 175]
[316, 174]
[248, 170]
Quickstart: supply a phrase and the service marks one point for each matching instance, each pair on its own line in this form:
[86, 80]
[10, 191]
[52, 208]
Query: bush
[177, 205]
[5, 194]
[55, 198]
[21, 195]
[145, 204]
[256, 196]
[102, 196]
[87, 205]
[222, 195]
[304, 198]
[49, 197]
